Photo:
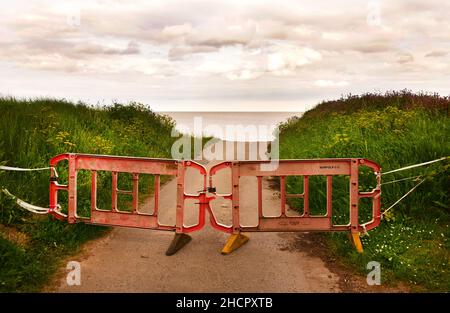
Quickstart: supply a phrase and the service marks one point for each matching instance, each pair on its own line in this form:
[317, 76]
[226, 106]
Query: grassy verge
[31, 132]
[394, 130]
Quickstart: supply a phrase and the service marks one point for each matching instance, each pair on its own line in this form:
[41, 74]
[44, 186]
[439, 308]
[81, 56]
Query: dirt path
[133, 260]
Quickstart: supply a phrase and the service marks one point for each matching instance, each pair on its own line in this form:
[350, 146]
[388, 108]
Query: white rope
[365, 232]
[402, 179]
[29, 207]
[407, 178]
[415, 165]
[10, 168]
[20, 169]
[404, 196]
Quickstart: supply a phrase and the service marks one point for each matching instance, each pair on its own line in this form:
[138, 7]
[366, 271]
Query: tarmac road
[134, 260]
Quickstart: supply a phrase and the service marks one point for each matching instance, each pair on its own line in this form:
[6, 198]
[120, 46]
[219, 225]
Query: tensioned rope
[415, 165]
[408, 178]
[27, 206]
[20, 169]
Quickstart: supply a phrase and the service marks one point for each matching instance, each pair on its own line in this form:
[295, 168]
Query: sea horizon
[229, 125]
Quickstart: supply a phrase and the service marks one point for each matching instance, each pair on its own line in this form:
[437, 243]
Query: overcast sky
[222, 55]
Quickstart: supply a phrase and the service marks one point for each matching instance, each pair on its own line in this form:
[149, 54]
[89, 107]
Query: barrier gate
[157, 167]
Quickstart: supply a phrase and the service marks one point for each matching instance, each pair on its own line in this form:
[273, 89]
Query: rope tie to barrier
[402, 197]
[401, 179]
[23, 204]
[408, 178]
[415, 165]
[27, 206]
[20, 169]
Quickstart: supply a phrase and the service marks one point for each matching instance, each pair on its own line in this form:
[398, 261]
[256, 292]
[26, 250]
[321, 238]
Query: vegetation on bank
[393, 129]
[31, 132]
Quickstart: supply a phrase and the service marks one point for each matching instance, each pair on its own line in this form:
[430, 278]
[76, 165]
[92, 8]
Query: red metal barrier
[305, 168]
[134, 166]
[157, 167]
[305, 222]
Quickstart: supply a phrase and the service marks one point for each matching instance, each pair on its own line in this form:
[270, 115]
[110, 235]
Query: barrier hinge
[208, 190]
[211, 189]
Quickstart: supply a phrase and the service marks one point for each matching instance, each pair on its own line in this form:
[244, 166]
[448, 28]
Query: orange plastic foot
[234, 242]
[357, 242]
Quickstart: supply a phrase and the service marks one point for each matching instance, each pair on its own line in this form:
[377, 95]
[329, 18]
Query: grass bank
[31, 132]
[393, 129]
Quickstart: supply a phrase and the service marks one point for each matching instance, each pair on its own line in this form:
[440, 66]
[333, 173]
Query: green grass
[395, 129]
[31, 132]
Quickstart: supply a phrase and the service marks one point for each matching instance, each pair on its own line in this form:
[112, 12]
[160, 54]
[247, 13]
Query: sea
[231, 126]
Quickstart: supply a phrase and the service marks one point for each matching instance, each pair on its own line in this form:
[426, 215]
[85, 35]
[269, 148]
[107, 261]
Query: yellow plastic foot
[357, 242]
[234, 242]
[178, 242]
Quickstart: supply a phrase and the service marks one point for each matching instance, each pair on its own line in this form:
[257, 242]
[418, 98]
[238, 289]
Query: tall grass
[33, 131]
[395, 129]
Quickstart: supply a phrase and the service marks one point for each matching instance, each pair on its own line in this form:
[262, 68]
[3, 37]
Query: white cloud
[215, 67]
[330, 83]
[176, 31]
[333, 36]
[288, 58]
[244, 74]
[197, 43]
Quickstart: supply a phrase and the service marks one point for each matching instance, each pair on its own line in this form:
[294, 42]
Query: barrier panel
[305, 168]
[177, 168]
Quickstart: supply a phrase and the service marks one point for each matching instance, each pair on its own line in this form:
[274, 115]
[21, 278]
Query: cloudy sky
[185, 55]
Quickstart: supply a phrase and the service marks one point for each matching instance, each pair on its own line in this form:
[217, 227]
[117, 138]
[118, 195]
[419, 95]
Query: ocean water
[240, 126]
